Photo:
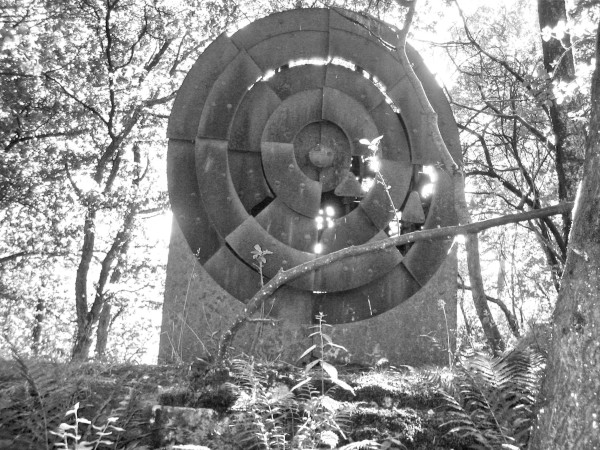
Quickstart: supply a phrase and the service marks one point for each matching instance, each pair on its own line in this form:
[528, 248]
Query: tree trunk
[490, 329]
[570, 400]
[103, 328]
[120, 246]
[106, 318]
[511, 317]
[569, 140]
[86, 320]
[38, 327]
[83, 341]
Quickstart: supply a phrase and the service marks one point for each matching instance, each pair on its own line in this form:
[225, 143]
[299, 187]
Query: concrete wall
[197, 310]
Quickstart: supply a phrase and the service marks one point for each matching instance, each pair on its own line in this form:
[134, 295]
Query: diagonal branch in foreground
[285, 276]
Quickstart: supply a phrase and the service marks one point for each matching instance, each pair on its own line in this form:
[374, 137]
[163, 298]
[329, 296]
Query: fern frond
[362, 445]
[492, 399]
[37, 404]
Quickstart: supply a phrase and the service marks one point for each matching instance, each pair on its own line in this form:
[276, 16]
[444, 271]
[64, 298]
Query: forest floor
[234, 407]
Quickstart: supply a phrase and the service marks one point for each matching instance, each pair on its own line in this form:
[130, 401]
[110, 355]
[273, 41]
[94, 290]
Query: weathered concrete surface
[197, 310]
[413, 333]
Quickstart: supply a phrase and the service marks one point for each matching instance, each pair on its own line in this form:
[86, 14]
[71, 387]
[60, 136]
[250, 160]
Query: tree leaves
[259, 254]
[86, 87]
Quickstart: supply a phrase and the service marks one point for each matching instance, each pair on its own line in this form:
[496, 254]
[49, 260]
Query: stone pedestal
[197, 310]
[415, 333]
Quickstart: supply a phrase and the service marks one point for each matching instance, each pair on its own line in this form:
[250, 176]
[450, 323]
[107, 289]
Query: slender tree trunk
[87, 319]
[490, 329]
[511, 317]
[106, 317]
[83, 341]
[121, 244]
[569, 139]
[38, 327]
[103, 329]
[569, 406]
[468, 329]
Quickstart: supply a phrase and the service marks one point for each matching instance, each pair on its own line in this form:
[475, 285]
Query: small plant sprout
[71, 439]
[326, 370]
[372, 145]
[258, 254]
[442, 306]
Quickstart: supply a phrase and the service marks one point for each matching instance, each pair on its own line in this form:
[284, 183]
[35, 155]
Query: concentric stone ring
[264, 136]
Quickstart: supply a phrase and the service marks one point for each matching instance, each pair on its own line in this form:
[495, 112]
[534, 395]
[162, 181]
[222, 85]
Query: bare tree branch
[285, 276]
[12, 257]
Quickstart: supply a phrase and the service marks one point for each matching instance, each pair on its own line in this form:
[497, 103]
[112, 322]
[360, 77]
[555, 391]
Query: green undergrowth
[481, 403]
[35, 396]
[400, 407]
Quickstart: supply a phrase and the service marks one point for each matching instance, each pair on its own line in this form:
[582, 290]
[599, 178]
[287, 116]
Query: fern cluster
[36, 394]
[29, 409]
[490, 400]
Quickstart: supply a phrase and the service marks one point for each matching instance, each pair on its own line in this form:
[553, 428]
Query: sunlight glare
[431, 171]
[238, 26]
[374, 164]
[394, 229]
[158, 227]
[367, 184]
[319, 220]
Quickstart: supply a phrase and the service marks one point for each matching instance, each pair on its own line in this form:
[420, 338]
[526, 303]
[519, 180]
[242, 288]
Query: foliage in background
[504, 92]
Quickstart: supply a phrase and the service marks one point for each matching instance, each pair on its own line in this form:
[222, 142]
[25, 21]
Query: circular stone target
[323, 153]
[265, 148]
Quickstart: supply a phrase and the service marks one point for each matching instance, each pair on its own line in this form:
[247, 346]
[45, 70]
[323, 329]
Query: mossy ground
[401, 406]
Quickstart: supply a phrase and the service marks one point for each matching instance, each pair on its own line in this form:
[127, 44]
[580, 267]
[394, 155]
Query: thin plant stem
[443, 307]
[187, 292]
[320, 318]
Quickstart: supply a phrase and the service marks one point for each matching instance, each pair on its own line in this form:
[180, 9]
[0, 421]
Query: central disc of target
[321, 156]
[323, 152]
